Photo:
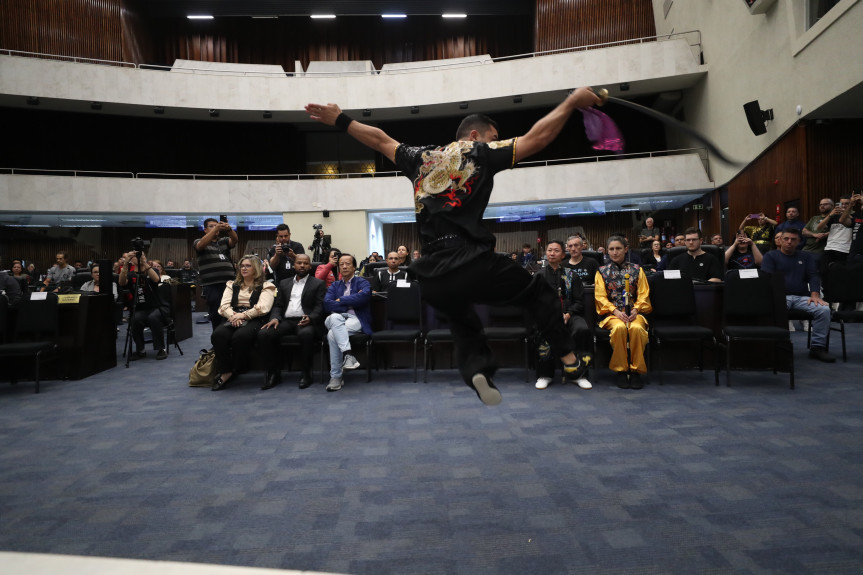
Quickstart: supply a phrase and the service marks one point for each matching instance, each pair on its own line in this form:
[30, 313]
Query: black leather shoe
[274, 378]
[635, 380]
[219, 383]
[305, 380]
[622, 380]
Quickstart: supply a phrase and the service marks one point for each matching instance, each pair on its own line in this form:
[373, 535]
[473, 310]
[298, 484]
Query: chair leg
[426, 362]
[658, 360]
[791, 362]
[526, 361]
[728, 362]
[416, 341]
[842, 331]
[36, 371]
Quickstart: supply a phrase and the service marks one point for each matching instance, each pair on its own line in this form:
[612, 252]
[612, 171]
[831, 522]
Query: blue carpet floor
[393, 477]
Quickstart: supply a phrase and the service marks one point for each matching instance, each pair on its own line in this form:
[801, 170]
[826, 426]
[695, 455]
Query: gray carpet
[397, 477]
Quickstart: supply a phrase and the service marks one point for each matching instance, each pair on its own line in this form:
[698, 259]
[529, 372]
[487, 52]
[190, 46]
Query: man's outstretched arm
[548, 127]
[374, 138]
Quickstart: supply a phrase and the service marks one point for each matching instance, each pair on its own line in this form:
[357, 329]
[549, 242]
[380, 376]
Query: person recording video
[320, 244]
[283, 254]
[150, 310]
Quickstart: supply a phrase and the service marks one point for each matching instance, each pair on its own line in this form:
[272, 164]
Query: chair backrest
[753, 299]
[37, 319]
[371, 268]
[166, 296]
[4, 317]
[80, 279]
[507, 316]
[674, 252]
[717, 252]
[672, 296]
[843, 283]
[596, 256]
[404, 303]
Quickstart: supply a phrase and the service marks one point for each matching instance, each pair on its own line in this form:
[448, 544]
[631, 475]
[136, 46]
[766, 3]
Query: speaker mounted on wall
[757, 117]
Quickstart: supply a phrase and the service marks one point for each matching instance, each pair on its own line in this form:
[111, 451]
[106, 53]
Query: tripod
[136, 286]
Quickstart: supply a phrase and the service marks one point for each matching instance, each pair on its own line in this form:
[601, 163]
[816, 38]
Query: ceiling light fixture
[462, 106]
[199, 17]
[214, 113]
[516, 99]
[158, 110]
[323, 16]
[454, 15]
[95, 105]
[32, 101]
[367, 113]
[267, 114]
[415, 109]
[394, 16]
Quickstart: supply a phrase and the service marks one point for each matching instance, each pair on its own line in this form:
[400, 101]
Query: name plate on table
[68, 298]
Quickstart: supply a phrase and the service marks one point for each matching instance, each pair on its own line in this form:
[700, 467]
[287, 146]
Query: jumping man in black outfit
[452, 187]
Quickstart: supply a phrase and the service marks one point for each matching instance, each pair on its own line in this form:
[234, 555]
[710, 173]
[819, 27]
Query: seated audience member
[12, 287]
[382, 278]
[700, 265]
[33, 272]
[78, 265]
[170, 265]
[852, 218]
[404, 256]
[743, 253]
[348, 305]
[654, 258]
[246, 303]
[157, 265]
[298, 310]
[415, 255]
[328, 271]
[93, 284]
[620, 311]
[283, 254]
[648, 234]
[60, 272]
[187, 274]
[679, 240]
[214, 264]
[716, 240]
[570, 292]
[150, 310]
[838, 236]
[802, 287]
[22, 278]
[374, 257]
[526, 257]
[514, 256]
[584, 268]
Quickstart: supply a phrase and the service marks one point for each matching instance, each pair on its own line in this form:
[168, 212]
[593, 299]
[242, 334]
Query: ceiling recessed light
[454, 15]
[394, 15]
[214, 113]
[462, 106]
[199, 17]
[32, 101]
[95, 105]
[323, 16]
[516, 99]
[366, 113]
[158, 110]
[415, 109]
[267, 114]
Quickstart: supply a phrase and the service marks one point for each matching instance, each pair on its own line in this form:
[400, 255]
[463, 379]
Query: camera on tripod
[318, 226]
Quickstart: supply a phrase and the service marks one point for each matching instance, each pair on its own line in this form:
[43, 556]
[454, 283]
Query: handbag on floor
[202, 373]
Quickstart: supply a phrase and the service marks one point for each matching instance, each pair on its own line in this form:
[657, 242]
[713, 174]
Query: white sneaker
[543, 382]
[350, 362]
[583, 383]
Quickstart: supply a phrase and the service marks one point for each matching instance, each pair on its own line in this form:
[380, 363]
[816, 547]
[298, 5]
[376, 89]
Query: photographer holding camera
[150, 311]
[320, 244]
[283, 254]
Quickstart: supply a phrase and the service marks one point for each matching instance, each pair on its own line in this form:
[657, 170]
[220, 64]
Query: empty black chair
[403, 318]
[35, 332]
[80, 278]
[438, 335]
[508, 323]
[673, 317]
[843, 284]
[754, 310]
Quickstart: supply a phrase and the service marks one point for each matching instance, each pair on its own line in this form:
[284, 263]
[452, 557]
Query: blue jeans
[340, 326]
[820, 317]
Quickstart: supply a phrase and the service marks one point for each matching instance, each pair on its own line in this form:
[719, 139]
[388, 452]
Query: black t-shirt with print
[452, 188]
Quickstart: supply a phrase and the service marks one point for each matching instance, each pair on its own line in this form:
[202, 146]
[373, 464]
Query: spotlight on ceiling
[367, 113]
[624, 86]
[462, 106]
[32, 101]
[95, 105]
[158, 110]
[267, 114]
[516, 99]
[214, 113]
[415, 109]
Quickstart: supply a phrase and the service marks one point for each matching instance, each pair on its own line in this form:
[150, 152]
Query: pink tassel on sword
[602, 131]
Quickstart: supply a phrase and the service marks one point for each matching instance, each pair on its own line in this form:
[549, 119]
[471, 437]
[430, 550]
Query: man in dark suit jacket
[298, 310]
[381, 279]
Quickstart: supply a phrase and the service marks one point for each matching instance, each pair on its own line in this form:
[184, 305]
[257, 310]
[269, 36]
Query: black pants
[581, 334]
[213, 295]
[234, 344]
[152, 318]
[268, 342]
[497, 280]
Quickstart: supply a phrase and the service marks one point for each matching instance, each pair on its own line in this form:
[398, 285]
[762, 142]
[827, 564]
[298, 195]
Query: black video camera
[139, 244]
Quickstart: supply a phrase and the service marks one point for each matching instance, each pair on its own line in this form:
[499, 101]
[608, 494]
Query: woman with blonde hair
[245, 305]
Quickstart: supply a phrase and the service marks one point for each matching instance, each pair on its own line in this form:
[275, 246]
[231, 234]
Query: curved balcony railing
[693, 37]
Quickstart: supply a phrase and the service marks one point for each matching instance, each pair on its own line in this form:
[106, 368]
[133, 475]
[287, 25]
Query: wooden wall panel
[835, 152]
[777, 178]
[98, 29]
[284, 40]
[567, 23]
